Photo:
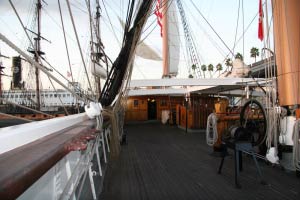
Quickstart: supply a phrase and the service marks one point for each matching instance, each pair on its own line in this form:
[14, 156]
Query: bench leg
[224, 153]
[221, 165]
[240, 161]
[236, 168]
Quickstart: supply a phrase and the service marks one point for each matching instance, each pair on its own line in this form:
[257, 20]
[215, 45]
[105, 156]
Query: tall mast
[1, 69]
[98, 44]
[165, 38]
[38, 53]
[1, 74]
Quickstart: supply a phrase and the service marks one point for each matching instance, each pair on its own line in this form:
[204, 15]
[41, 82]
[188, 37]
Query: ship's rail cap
[19, 135]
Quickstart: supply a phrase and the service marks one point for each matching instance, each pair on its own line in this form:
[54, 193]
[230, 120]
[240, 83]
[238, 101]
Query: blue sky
[221, 14]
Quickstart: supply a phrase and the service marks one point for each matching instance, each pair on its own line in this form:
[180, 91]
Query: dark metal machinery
[244, 138]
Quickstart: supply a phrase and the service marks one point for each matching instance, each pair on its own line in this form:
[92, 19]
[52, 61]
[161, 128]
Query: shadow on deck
[164, 162]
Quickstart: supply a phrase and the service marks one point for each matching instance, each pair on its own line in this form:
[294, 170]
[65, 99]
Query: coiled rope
[296, 147]
[211, 129]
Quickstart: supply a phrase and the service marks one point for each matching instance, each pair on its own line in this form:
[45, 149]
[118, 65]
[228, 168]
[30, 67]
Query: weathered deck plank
[163, 162]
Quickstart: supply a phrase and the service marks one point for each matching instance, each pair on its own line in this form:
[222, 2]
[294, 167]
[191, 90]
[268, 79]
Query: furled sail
[287, 45]
[171, 38]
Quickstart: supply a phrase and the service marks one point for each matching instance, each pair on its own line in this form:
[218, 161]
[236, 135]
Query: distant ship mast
[1, 74]
[37, 52]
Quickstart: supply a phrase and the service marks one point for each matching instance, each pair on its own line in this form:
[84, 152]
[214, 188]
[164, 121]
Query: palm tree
[228, 63]
[210, 68]
[254, 52]
[203, 68]
[219, 67]
[239, 56]
[194, 67]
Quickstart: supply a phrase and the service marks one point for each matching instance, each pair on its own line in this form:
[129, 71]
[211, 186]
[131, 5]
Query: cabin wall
[198, 109]
[201, 107]
[137, 107]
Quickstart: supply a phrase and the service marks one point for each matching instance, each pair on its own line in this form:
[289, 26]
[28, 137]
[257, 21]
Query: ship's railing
[54, 164]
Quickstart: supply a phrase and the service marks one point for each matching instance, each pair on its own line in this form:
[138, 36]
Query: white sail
[173, 38]
[99, 71]
[143, 50]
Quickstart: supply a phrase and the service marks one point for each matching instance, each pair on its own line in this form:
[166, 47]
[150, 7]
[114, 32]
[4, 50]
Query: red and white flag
[260, 22]
[159, 15]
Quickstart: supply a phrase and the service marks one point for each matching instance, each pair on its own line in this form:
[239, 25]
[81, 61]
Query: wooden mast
[38, 53]
[98, 46]
[1, 73]
[287, 48]
[165, 38]
[1, 69]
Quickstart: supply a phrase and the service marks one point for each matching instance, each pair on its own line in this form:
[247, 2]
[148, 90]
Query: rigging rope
[241, 37]
[211, 27]
[35, 64]
[13, 116]
[18, 16]
[35, 50]
[65, 39]
[79, 46]
[125, 58]
[65, 109]
[190, 43]
[273, 111]
[18, 105]
[106, 12]
[237, 25]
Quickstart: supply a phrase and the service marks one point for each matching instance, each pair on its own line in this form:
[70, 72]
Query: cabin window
[12, 96]
[64, 95]
[135, 103]
[55, 95]
[68, 95]
[46, 95]
[59, 95]
[51, 95]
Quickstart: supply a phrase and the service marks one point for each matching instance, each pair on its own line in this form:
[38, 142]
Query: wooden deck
[164, 162]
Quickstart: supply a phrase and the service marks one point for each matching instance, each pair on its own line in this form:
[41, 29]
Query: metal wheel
[253, 118]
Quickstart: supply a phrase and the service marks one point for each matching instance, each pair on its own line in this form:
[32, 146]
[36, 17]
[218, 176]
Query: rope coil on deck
[211, 137]
[296, 147]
